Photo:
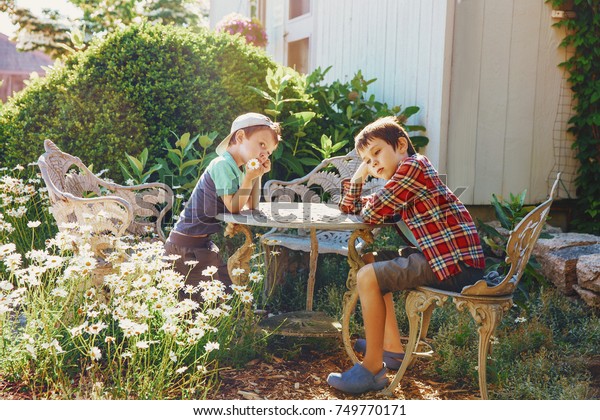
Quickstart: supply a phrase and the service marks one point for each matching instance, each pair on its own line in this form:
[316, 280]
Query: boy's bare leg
[374, 315]
[391, 339]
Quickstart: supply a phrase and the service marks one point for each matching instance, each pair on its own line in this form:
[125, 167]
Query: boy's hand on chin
[254, 169]
[266, 166]
[361, 174]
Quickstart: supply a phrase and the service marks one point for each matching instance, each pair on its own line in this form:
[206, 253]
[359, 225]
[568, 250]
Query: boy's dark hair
[387, 129]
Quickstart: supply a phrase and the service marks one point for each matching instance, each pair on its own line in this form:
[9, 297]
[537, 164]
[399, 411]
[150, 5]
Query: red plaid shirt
[440, 223]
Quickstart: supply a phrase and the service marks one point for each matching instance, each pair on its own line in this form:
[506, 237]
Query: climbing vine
[582, 24]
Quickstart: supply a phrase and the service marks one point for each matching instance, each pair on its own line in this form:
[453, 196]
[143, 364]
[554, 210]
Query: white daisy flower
[209, 271]
[238, 288]
[520, 319]
[191, 263]
[33, 224]
[95, 353]
[95, 328]
[246, 297]
[142, 344]
[255, 277]
[253, 164]
[210, 346]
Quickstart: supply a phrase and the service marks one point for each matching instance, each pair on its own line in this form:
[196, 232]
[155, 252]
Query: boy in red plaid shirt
[446, 255]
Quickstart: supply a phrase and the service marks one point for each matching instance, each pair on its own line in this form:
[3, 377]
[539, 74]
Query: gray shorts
[409, 269]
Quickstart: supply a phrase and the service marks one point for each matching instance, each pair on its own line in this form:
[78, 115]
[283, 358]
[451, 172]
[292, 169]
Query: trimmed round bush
[133, 90]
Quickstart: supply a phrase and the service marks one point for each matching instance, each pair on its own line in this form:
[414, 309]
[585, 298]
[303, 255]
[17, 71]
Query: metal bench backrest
[75, 193]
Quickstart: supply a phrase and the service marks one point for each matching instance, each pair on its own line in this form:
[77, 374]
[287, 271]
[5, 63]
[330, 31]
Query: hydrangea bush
[250, 28]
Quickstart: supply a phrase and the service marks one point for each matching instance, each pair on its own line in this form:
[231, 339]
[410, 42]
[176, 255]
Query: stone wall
[571, 261]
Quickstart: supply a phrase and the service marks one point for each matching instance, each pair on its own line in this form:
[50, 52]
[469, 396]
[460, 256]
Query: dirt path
[305, 379]
[301, 379]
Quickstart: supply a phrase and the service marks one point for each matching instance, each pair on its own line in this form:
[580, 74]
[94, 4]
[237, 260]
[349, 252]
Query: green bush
[130, 91]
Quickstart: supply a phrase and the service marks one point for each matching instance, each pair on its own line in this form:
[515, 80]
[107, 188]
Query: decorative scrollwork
[518, 250]
[241, 257]
[76, 194]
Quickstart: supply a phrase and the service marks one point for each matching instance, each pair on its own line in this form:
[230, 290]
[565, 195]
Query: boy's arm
[351, 201]
[248, 195]
[244, 195]
[236, 202]
[402, 188]
[255, 194]
[257, 185]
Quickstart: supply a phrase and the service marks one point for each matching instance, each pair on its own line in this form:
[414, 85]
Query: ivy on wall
[582, 24]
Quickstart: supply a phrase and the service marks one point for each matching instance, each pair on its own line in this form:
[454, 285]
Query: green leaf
[489, 230]
[411, 128]
[349, 112]
[317, 148]
[338, 146]
[125, 171]
[188, 185]
[410, 111]
[500, 214]
[325, 142]
[155, 168]
[419, 141]
[144, 156]
[176, 152]
[205, 141]
[294, 165]
[135, 164]
[190, 163]
[279, 151]
[183, 141]
[304, 117]
[272, 112]
[521, 198]
[310, 161]
[262, 93]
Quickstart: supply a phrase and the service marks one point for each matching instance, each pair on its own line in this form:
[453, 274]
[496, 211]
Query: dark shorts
[409, 269]
[202, 250]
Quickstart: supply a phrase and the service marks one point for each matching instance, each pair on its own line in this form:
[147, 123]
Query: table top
[296, 215]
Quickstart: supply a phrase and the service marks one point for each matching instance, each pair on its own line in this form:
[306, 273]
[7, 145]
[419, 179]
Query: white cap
[250, 119]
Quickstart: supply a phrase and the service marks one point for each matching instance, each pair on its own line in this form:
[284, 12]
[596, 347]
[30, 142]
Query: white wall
[484, 73]
[505, 111]
[400, 43]
[220, 8]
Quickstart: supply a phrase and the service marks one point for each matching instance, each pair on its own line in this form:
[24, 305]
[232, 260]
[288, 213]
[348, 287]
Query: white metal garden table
[311, 216]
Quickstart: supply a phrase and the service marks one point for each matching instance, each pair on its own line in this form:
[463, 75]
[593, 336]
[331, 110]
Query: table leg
[241, 257]
[314, 255]
[351, 296]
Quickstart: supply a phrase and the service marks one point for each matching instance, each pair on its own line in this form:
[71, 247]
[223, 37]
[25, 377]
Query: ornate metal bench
[486, 303]
[111, 210]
